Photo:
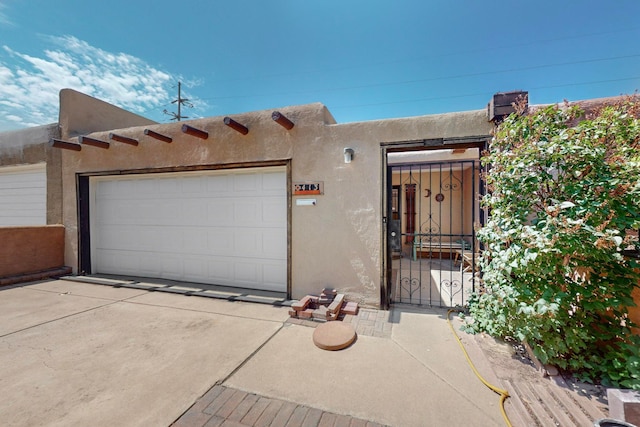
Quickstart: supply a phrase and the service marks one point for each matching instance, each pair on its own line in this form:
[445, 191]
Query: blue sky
[364, 60]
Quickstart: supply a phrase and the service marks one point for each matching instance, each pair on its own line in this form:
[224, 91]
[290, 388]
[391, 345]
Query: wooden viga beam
[236, 126]
[157, 135]
[123, 139]
[65, 145]
[280, 119]
[190, 130]
[85, 140]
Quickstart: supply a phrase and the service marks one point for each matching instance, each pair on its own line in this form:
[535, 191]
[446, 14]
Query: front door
[431, 237]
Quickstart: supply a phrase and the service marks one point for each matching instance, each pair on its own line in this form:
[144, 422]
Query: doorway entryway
[432, 214]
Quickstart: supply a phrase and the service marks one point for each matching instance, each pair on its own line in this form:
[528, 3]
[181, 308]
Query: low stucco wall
[32, 249]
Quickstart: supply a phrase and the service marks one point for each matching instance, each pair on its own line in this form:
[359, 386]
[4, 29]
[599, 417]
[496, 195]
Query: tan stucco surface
[337, 242]
[81, 114]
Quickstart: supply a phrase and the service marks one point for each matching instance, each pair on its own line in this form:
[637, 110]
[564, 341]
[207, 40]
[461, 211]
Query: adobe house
[283, 200]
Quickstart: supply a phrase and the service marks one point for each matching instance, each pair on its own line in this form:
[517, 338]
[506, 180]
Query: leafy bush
[563, 194]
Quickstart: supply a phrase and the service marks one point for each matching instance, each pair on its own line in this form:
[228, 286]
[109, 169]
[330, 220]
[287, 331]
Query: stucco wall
[338, 241]
[30, 249]
[81, 114]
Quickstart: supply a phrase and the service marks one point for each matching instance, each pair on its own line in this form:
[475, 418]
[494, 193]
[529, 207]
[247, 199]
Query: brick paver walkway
[227, 407]
[368, 322]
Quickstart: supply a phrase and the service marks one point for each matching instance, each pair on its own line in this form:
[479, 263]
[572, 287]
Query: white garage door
[23, 195]
[218, 227]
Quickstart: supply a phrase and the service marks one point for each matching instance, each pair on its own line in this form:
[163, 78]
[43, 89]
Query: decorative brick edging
[368, 322]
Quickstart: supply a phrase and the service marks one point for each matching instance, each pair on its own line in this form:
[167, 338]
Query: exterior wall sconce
[280, 119]
[123, 139]
[348, 155]
[190, 130]
[85, 140]
[66, 145]
[235, 125]
[157, 135]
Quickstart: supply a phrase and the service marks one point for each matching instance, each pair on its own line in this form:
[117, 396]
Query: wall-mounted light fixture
[348, 155]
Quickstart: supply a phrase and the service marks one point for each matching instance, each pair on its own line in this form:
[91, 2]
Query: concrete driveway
[81, 354]
[76, 354]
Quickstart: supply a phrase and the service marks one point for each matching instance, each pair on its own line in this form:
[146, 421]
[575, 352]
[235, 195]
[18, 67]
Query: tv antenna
[180, 102]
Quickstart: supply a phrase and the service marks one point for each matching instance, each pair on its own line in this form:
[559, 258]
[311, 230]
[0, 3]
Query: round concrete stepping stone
[334, 335]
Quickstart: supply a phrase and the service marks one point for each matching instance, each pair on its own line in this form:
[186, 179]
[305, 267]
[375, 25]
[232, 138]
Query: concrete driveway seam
[248, 358]
[220, 313]
[462, 392]
[59, 318]
[189, 411]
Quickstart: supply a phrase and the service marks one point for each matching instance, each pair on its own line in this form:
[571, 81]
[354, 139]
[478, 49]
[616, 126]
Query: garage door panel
[273, 212]
[219, 185]
[273, 247]
[190, 212]
[247, 212]
[26, 202]
[22, 189]
[246, 274]
[197, 267]
[149, 264]
[171, 268]
[274, 182]
[221, 271]
[219, 212]
[118, 260]
[246, 182]
[248, 243]
[173, 237]
[273, 274]
[23, 195]
[221, 241]
[227, 228]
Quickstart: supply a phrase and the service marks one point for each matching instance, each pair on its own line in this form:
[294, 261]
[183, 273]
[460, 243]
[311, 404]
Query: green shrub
[563, 194]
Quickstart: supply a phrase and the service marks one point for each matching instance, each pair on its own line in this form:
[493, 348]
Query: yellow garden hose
[503, 393]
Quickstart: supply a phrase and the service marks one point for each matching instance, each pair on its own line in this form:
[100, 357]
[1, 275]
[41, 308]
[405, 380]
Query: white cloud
[4, 19]
[29, 85]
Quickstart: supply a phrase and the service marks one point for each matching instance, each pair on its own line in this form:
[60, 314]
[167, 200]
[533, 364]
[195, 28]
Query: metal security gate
[433, 209]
